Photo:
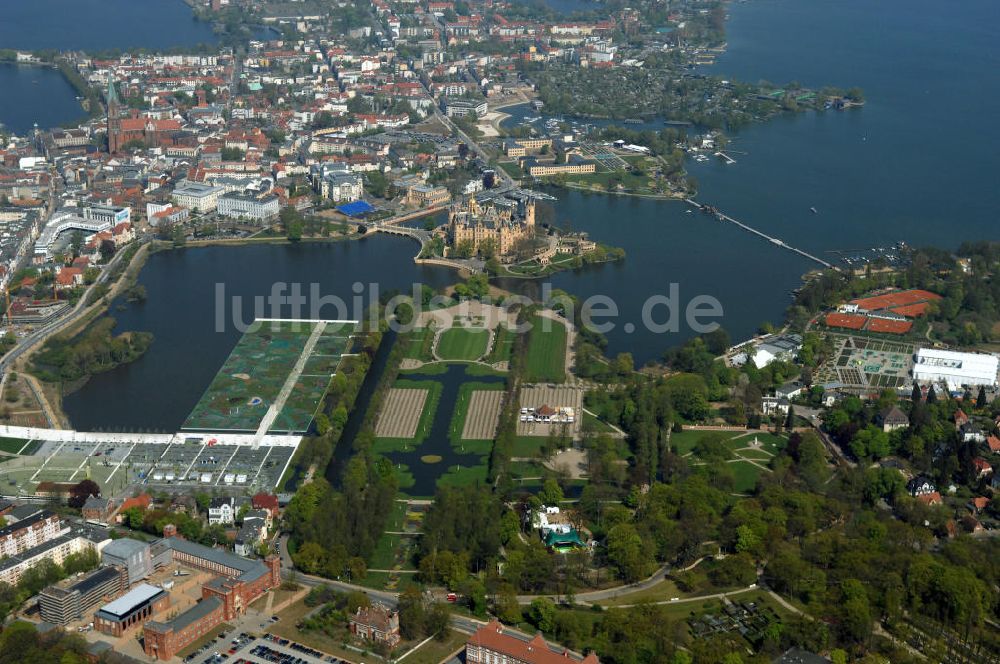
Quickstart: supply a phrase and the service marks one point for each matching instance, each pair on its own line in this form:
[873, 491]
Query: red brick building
[239, 582]
[376, 623]
[127, 126]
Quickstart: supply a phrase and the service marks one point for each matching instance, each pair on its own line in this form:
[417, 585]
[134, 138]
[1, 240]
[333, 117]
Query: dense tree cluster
[20, 642]
[93, 351]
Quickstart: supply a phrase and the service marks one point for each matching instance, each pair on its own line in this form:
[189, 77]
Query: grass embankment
[12, 445]
[546, 357]
[419, 346]
[503, 344]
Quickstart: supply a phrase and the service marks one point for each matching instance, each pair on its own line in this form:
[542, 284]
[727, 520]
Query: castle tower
[529, 212]
[114, 121]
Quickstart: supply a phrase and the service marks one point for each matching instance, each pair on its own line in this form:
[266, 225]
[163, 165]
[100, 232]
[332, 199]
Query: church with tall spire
[114, 117]
[127, 126]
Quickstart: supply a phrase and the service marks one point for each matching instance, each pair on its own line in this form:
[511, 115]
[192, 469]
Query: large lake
[93, 25]
[33, 95]
[916, 164]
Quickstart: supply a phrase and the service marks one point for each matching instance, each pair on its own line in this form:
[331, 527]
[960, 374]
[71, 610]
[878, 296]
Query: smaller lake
[198, 300]
[94, 25]
[33, 94]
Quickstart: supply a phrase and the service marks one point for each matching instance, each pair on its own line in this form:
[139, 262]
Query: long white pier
[750, 229]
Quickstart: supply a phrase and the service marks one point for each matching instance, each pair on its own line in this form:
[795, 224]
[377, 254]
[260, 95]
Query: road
[56, 326]
[473, 145]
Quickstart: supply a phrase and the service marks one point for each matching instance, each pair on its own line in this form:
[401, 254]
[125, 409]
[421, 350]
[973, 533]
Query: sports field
[546, 351]
[285, 364]
[461, 343]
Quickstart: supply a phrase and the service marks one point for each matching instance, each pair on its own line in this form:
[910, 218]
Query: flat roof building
[955, 369]
[249, 207]
[131, 609]
[70, 600]
[196, 196]
[131, 555]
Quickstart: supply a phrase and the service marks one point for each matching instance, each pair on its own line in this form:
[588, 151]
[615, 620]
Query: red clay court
[888, 326]
[910, 303]
[849, 321]
[859, 322]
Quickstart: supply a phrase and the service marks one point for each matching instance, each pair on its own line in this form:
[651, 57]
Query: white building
[248, 207]
[783, 347]
[550, 520]
[456, 108]
[955, 369]
[196, 196]
[65, 220]
[342, 187]
[222, 510]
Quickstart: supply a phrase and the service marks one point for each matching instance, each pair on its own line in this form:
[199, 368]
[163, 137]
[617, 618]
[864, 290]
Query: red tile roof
[930, 498]
[994, 443]
[535, 651]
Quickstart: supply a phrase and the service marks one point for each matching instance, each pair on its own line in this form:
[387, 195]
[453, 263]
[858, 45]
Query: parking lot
[183, 461]
[267, 649]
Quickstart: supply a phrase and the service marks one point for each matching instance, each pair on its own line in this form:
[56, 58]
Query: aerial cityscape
[499, 332]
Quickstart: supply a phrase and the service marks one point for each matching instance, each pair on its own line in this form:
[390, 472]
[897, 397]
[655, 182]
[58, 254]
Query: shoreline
[84, 94]
[90, 313]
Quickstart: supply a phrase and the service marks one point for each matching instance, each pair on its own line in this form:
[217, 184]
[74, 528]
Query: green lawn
[391, 549]
[437, 650]
[33, 447]
[459, 343]
[659, 592]
[527, 446]
[744, 473]
[597, 425]
[419, 346]
[546, 351]
[458, 476]
[404, 478]
[522, 469]
[746, 476]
